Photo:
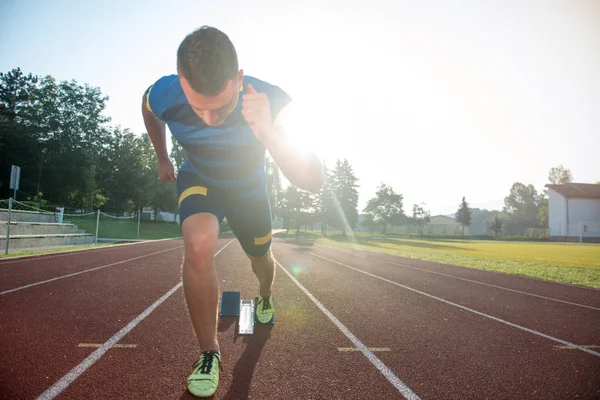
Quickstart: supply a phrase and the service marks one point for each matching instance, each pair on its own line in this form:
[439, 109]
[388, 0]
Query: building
[574, 212]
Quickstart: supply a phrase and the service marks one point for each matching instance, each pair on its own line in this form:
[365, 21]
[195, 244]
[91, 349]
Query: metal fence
[27, 226]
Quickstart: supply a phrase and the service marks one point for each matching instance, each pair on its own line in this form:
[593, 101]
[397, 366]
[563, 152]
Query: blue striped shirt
[226, 156]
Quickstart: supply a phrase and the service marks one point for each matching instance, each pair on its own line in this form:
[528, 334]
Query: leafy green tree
[463, 215]
[496, 225]
[481, 220]
[296, 208]
[419, 216]
[385, 208]
[18, 146]
[67, 120]
[161, 196]
[521, 208]
[560, 175]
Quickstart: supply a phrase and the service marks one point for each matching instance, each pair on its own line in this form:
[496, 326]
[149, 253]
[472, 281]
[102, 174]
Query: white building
[574, 211]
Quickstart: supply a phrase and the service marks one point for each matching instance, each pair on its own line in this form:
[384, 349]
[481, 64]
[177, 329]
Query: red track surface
[449, 332]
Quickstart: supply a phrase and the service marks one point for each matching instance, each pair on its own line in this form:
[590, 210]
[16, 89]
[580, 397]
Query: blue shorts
[248, 216]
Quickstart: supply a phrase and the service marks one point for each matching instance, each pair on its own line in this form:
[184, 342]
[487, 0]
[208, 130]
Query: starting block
[245, 310]
[233, 306]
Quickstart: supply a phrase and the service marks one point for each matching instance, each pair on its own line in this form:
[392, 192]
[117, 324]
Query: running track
[349, 325]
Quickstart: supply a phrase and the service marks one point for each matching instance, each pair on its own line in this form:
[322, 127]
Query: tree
[324, 205]
[15, 94]
[385, 208]
[420, 216]
[560, 175]
[496, 225]
[178, 154]
[481, 220]
[18, 146]
[344, 190]
[542, 215]
[66, 118]
[463, 215]
[296, 208]
[521, 208]
[159, 195]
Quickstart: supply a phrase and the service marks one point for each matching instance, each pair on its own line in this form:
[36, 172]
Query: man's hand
[166, 171]
[256, 110]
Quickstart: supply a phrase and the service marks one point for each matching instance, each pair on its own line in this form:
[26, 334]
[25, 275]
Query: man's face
[213, 110]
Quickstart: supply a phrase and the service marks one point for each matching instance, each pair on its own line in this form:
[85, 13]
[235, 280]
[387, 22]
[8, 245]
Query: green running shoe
[265, 309]
[204, 379]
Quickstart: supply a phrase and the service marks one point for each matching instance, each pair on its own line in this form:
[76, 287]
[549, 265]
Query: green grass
[559, 262]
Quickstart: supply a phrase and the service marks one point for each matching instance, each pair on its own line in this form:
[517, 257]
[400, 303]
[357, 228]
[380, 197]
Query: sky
[438, 99]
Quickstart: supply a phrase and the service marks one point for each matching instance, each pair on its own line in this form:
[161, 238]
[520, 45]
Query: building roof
[443, 217]
[579, 190]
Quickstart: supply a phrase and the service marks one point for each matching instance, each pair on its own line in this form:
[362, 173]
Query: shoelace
[266, 304]
[206, 362]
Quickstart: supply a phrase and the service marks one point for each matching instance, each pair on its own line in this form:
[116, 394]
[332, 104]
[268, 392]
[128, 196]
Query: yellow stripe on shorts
[148, 100]
[262, 240]
[193, 190]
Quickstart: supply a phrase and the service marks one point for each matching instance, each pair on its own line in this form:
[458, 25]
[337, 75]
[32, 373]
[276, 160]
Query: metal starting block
[233, 306]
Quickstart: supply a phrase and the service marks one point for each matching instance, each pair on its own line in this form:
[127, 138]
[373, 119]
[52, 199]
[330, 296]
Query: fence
[586, 231]
[24, 226]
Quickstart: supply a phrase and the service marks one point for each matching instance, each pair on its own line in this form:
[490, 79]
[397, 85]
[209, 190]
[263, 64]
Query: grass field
[560, 262]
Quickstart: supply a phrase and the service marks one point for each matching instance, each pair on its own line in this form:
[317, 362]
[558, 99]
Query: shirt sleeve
[160, 96]
[278, 99]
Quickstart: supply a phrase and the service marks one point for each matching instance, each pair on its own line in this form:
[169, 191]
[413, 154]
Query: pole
[8, 225]
[138, 233]
[97, 225]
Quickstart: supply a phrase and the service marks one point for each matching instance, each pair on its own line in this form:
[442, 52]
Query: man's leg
[264, 269]
[250, 220]
[200, 283]
[200, 216]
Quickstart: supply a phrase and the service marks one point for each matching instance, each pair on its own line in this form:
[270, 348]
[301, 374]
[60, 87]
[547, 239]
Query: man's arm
[303, 170]
[157, 132]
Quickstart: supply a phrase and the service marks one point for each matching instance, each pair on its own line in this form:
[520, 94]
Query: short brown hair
[207, 60]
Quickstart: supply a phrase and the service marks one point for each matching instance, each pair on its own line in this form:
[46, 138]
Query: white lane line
[116, 346]
[64, 253]
[564, 342]
[86, 271]
[90, 360]
[481, 283]
[390, 376]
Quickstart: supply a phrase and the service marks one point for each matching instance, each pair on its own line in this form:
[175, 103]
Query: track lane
[297, 358]
[565, 321]
[43, 325]
[561, 291]
[15, 275]
[442, 351]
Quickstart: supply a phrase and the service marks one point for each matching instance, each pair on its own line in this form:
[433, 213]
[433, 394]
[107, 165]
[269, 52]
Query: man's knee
[200, 234]
[199, 250]
[265, 259]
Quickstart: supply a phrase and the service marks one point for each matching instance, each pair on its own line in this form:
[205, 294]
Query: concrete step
[38, 228]
[24, 242]
[27, 216]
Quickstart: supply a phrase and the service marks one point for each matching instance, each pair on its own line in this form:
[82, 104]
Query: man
[224, 121]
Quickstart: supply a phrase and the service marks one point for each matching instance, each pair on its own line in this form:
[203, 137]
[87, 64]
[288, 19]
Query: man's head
[208, 71]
